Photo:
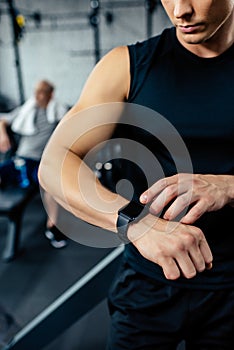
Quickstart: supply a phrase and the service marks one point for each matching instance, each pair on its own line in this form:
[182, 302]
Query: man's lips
[189, 28]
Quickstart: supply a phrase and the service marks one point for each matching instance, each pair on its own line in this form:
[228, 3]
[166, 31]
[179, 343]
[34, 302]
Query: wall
[62, 48]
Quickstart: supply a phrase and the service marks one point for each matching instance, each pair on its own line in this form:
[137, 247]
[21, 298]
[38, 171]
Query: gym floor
[41, 273]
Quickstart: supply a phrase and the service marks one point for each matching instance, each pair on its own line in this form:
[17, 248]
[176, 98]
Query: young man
[176, 281]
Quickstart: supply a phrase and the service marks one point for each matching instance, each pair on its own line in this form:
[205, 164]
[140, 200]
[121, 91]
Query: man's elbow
[42, 178]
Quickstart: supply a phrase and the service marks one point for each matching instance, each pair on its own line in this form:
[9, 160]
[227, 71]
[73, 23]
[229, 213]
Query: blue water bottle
[20, 165]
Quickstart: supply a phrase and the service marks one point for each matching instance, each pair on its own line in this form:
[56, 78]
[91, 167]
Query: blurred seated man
[34, 122]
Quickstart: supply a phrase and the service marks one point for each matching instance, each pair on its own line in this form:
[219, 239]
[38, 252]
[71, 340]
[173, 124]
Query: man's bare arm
[5, 143]
[66, 176]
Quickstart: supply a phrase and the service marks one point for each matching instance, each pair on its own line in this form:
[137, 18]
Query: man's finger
[179, 204]
[154, 190]
[206, 253]
[170, 268]
[165, 197]
[186, 265]
[194, 213]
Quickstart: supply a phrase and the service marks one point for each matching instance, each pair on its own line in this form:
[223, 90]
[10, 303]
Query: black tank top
[196, 96]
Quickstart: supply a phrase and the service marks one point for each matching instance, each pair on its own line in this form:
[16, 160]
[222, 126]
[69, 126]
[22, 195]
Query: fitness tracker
[126, 215]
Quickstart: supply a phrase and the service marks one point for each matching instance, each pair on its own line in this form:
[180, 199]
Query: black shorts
[149, 315]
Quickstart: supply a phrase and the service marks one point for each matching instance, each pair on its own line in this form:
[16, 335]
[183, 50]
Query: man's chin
[192, 39]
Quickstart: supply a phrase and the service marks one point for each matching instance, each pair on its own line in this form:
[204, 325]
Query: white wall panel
[60, 49]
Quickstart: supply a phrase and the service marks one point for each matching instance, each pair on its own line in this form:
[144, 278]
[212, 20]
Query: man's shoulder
[154, 40]
[143, 52]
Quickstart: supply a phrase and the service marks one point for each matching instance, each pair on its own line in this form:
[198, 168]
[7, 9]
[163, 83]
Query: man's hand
[5, 143]
[179, 249]
[206, 193]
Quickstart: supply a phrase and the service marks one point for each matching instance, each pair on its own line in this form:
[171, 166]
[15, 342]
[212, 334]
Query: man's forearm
[3, 125]
[230, 187]
[78, 190]
[5, 143]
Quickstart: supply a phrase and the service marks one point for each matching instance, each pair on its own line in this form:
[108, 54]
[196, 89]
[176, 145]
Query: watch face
[126, 215]
[132, 210]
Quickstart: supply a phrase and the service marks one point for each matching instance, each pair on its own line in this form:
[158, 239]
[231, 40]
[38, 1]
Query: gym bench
[13, 201]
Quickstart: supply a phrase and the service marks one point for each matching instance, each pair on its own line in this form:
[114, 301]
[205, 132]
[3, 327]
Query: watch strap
[127, 214]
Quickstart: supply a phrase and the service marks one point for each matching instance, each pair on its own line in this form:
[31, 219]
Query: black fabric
[149, 315]
[196, 96]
